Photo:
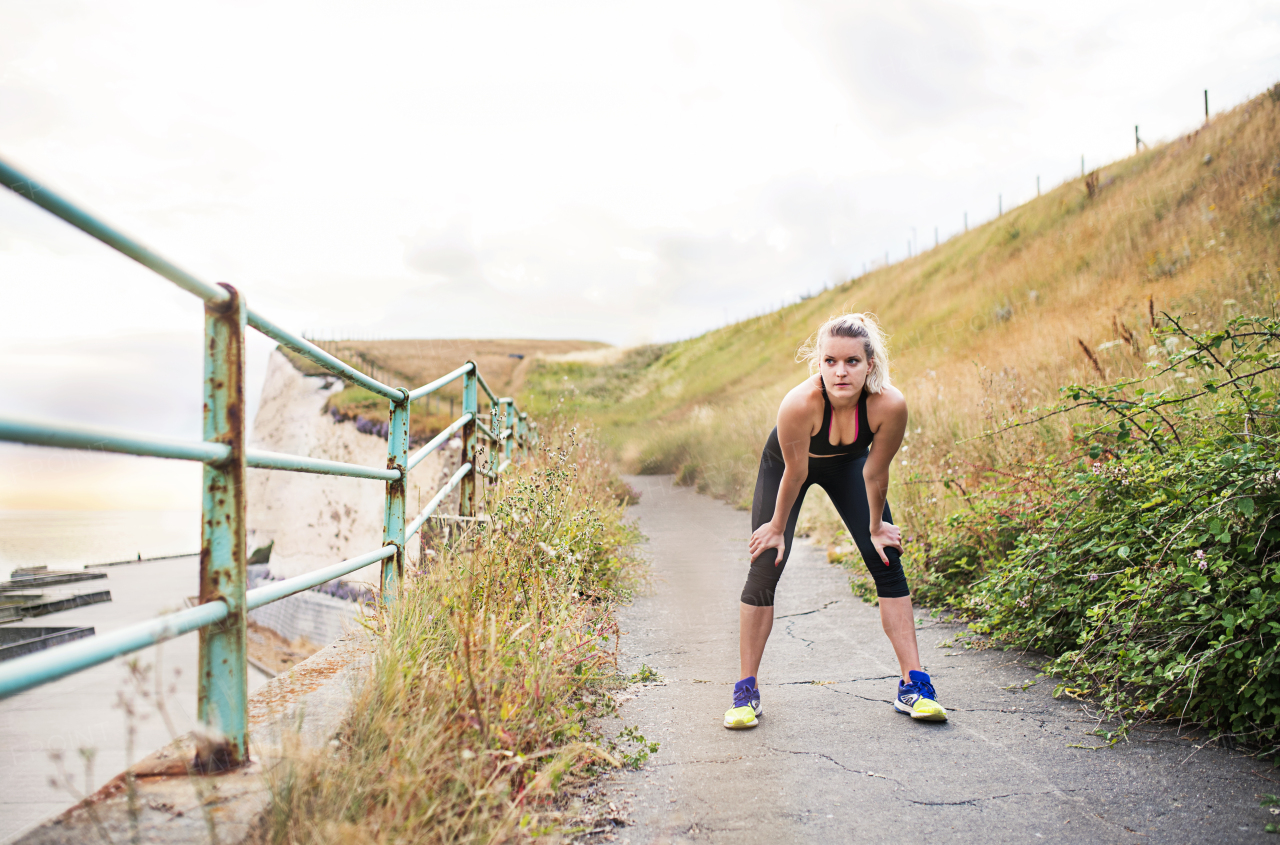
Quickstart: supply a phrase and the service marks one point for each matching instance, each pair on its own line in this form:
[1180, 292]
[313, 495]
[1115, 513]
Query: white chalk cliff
[317, 520]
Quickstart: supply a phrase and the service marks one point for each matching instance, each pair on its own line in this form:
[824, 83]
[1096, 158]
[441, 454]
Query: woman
[826, 428]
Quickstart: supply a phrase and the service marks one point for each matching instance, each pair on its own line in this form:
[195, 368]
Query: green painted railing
[220, 617]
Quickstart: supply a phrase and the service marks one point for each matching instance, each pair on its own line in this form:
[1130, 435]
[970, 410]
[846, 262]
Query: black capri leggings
[841, 477]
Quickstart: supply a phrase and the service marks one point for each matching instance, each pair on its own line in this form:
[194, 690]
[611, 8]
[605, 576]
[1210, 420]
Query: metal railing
[220, 617]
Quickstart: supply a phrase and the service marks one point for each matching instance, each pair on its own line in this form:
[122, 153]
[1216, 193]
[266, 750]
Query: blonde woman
[839, 429]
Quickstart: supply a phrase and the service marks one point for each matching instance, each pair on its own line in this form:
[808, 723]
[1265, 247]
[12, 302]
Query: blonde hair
[855, 326]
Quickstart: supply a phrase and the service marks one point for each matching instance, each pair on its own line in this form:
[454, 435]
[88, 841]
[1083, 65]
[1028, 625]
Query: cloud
[601, 171]
[448, 253]
[589, 273]
[909, 64]
[150, 383]
[144, 383]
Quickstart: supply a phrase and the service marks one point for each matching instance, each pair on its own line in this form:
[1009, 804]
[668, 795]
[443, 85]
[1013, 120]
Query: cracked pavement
[833, 762]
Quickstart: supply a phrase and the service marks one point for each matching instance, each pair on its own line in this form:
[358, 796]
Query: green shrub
[1149, 571]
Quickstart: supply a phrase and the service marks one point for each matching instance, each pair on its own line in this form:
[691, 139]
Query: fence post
[393, 521]
[470, 405]
[508, 422]
[223, 683]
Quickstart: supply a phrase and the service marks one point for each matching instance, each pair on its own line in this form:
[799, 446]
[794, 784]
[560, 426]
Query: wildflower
[1204, 564]
[1199, 554]
[1093, 576]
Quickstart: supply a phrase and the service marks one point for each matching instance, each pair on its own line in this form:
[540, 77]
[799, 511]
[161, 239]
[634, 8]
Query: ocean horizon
[72, 539]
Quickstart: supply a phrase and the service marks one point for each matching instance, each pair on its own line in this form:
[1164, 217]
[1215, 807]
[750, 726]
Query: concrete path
[832, 761]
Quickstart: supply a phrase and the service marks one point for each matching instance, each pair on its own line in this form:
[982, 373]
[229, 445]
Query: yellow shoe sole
[740, 718]
[924, 714]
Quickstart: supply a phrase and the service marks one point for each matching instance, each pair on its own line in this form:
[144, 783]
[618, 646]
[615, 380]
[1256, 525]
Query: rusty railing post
[470, 405]
[507, 421]
[393, 519]
[223, 669]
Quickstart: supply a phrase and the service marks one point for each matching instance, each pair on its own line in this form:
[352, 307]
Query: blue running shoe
[746, 709]
[918, 699]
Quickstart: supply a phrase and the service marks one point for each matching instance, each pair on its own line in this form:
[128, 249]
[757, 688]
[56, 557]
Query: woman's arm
[875, 472]
[794, 422]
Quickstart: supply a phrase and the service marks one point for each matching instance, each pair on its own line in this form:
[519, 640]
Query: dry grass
[489, 669]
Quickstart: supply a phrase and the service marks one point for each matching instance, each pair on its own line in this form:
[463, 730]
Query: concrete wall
[320, 618]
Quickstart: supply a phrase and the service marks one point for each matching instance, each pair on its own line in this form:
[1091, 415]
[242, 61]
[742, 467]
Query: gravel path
[832, 761]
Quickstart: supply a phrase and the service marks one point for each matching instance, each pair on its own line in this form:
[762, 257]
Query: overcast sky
[623, 172]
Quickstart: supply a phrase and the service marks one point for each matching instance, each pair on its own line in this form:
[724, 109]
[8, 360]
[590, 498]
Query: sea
[70, 539]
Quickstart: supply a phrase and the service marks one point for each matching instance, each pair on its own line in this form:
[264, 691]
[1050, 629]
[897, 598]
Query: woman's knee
[871, 555]
[762, 580]
[891, 580]
[758, 593]
[891, 583]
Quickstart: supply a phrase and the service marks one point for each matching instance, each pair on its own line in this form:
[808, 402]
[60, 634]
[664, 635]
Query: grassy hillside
[1092, 468]
[1066, 288]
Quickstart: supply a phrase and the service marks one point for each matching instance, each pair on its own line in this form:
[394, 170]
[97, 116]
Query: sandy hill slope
[1063, 288]
[416, 361]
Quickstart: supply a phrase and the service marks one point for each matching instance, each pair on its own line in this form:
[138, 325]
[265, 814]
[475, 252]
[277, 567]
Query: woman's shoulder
[804, 398]
[888, 402]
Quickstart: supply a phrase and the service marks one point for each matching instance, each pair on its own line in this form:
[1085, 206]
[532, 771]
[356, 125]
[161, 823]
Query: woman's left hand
[887, 537]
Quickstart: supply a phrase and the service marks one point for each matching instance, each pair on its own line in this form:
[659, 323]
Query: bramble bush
[1147, 567]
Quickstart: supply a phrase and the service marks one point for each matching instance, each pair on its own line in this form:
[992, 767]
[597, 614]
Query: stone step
[15, 642]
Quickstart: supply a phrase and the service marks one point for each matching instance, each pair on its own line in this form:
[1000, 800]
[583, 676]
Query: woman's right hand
[767, 537]
[887, 536]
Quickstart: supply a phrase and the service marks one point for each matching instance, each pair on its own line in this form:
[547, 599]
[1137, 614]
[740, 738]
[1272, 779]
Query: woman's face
[844, 366]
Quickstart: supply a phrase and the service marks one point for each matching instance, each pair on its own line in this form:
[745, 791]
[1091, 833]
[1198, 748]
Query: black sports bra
[820, 443]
